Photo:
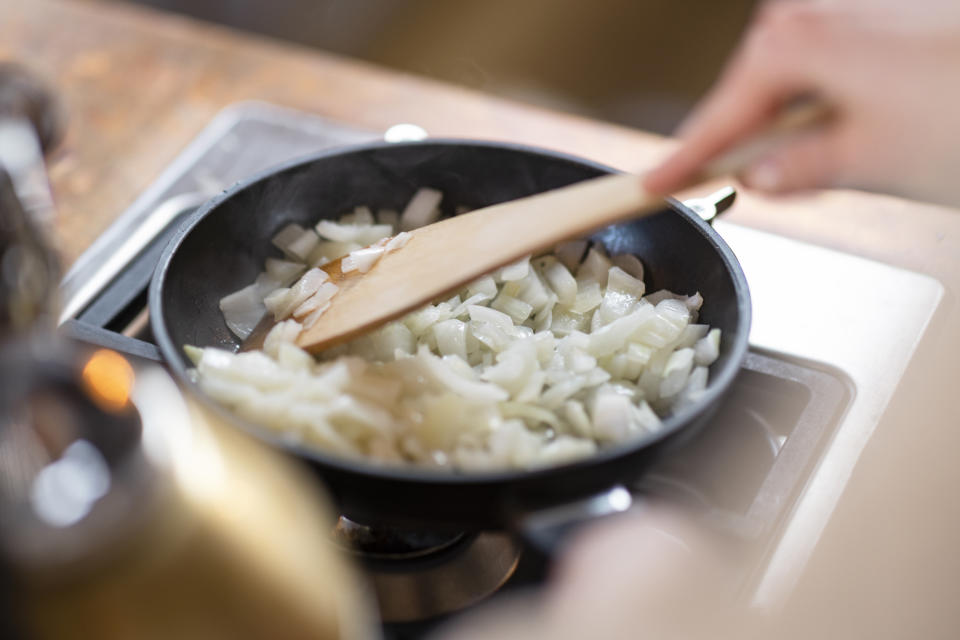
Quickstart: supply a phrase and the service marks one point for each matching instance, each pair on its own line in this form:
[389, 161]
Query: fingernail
[765, 176]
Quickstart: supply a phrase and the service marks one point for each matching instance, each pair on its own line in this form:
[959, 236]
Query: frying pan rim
[720, 381]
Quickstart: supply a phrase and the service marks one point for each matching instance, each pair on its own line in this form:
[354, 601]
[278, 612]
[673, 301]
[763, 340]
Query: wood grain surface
[138, 85]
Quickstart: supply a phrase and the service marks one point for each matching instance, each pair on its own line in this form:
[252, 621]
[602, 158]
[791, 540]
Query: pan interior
[224, 246]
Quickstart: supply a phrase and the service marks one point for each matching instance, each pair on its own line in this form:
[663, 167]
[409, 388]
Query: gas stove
[824, 362]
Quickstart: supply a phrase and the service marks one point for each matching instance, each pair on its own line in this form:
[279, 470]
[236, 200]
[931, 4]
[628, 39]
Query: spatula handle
[442, 257]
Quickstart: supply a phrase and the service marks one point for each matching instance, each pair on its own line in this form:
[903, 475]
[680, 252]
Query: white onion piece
[420, 321]
[694, 302]
[362, 259]
[485, 285]
[242, 310]
[612, 416]
[676, 372]
[320, 298]
[588, 297]
[445, 375]
[515, 271]
[657, 297]
[398, 241]
[388, 216]
[707, 349]
[283, 302]
[564, 321]
[362, 234]
[422, 209]
[464, 307]
[645, 417]
[385, 344]
[303, 246]
[610, 338]
[577, 419]
[360, 215]
[571, 253]
[330, 251]
[517, 309]
[290, 356]
[531, 414]
[451, 338]
[485, 314]
[562, 282]
[286, 331]
[691, 334]
[594, 267]
[531, 289]
[615, 304]
[621, 281]
[630, 264]
[696, 385]
[283, 272]
[565, 449]
[287, 236]
[514, 366]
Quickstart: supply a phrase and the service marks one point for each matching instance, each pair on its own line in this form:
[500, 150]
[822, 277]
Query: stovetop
[780, 449]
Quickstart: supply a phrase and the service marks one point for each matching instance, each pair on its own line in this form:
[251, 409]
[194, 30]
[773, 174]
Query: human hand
[890, 72]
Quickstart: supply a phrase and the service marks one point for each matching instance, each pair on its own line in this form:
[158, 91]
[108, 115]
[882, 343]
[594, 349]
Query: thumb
[806, 161]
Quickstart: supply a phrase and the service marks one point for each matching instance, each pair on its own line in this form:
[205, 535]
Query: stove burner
[419, 575]
[392, 544]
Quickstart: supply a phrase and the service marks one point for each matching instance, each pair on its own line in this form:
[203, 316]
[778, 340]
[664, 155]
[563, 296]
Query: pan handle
[710, 206]
[545, 530]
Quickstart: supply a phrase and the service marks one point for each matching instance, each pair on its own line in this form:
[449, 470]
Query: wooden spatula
[442, 257]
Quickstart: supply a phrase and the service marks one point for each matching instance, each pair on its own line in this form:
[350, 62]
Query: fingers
[807, 161]
[773, 66]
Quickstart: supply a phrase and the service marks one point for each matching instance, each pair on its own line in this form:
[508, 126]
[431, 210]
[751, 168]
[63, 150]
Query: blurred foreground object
[125, 510]
[29, 124]
[140, 516]
[656, 572]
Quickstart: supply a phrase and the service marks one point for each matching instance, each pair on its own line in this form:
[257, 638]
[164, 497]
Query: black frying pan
[222, 247]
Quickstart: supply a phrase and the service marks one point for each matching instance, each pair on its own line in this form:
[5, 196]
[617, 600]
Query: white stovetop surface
[861, 317]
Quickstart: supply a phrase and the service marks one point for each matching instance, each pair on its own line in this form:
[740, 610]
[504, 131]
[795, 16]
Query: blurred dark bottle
[127, 510]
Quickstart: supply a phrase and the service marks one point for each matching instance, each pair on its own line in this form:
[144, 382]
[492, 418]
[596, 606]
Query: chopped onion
[571, 253]
[362, 259]
[283, 302]
[676, 372]
[451, 338]
[362, 234]
[517, 309]
[707, 349]
[542, 362]
[282, 332]
[588, 297]
[398, 241]
[485, 285]
[422, 209]
[283, 272]
[296, 242]
[320, 298]
[594, 267]
[242, 310]
[286, 236]
[515, 271]
[388, 216]
[630, 264]
[562, 282]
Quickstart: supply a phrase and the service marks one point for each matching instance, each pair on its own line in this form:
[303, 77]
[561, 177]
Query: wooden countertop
[138, 85]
